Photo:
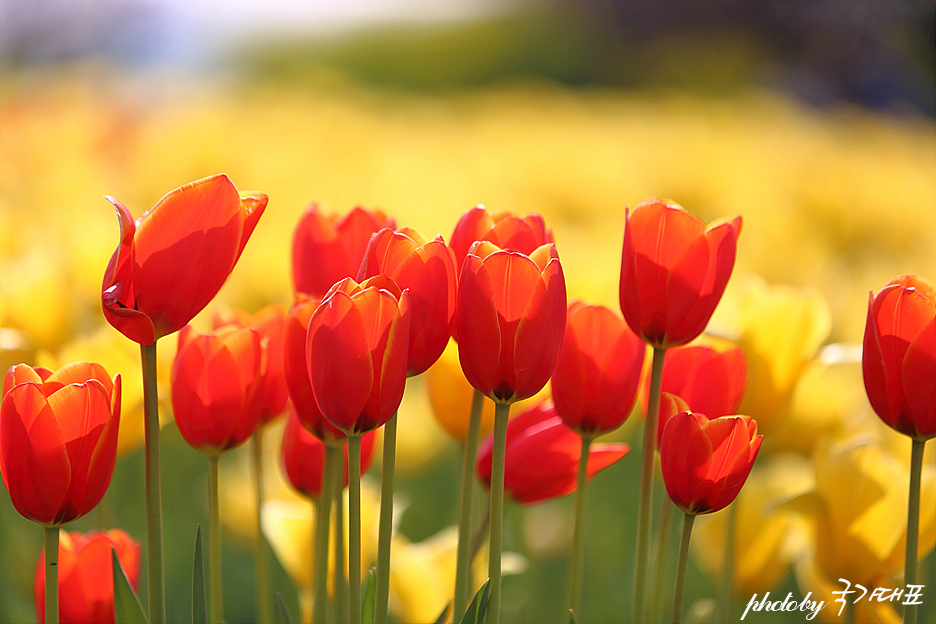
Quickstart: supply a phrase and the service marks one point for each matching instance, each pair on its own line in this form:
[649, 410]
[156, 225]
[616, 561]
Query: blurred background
[816, 121]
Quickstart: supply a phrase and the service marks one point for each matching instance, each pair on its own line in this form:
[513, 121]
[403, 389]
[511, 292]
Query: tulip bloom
[706, 461]
[673, 271]
[304, 457]
[542, 456]
[510, 316]
[506, 230]
[174, 259]
[427, 269]
[899, 358]
[215, 378]
[58, 439]
[595, 382]
[86, 575]
[327, 249]
[356, 353]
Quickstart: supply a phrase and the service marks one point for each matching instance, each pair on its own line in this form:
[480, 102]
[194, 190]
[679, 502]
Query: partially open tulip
[58, 439]
[595, 382]
[510, 316]
[215, 378]
[327, 248]
[542, 456]
[174, 259]
[706, 461]
[427, 269]
[506, 230]
[899, 358]
[673, 271]
[303, 456]
[86, 575]
[356, 353]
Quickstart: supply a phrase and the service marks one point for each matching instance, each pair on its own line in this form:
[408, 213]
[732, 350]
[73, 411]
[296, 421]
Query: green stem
[477, 538]
[576, 569]
[354, 528]
[661, 556]
[154, 533]
[51, 574]
[644, 512]
[262, 570]
[466, 508]
[681, 565]
[333, 457]
[727, 573]
[499, 454]
[913, 526]
[341, 577]
[385, 530]
[214, 542]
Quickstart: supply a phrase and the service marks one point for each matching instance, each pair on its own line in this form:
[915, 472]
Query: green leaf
[442, 616]
[199, 603]
[369, 606]
[477, 610]
[127, 607]
[285, 617]
[572, 619]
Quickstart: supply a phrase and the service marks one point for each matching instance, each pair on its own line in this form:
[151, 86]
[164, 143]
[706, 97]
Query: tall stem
[341, 562]
[576, 569]
[466, 508]
[913, 526]
[214, 542]
[154, 547]
[333, 456]
[262, 570]
[499, 454]
[681, 566]
[644, 511]
[660, 556]
[382, 589]
[51, 574]
[354, 529]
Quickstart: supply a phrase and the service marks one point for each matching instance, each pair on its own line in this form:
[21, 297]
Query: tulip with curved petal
[504, 229]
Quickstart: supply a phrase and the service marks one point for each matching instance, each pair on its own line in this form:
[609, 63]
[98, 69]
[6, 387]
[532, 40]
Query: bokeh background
[815, 121]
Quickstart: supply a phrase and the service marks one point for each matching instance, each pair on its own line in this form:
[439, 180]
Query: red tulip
[711, 382]
[673, 271]
[595, 382]
[86, 575]
[542, 456]
[510, 316]
[272, 393]
[356, 353]
[58, 439]
[506, 230]
[173, 260]
[899, 357]
[215, 378]
[304, 456]
[706, 461]
[327, 249]
[427, 269]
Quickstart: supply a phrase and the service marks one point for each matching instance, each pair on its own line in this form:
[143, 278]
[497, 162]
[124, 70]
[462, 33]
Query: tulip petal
[252, 207]
[118, 295]
[918, 377]
[539, 332]
[479, 331]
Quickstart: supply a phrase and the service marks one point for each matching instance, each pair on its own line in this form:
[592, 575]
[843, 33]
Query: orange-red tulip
[427, 269]
[327, 248]
[272, 393]
[86, 575]
[303, 456]
[595, 382]
[542, 456]
[506, 230]
[173, 260]
[215, 378]
[356, 353]
[510, 316]
[58, 439]
[673, 271]
[706, 461]
[899, 357]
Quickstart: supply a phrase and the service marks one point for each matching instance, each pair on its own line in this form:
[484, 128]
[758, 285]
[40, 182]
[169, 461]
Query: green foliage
[199, 603]
[127, 607]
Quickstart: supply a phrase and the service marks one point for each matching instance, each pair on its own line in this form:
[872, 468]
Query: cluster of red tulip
[376, 304]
